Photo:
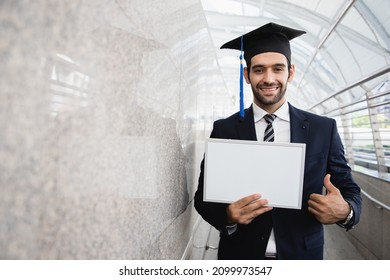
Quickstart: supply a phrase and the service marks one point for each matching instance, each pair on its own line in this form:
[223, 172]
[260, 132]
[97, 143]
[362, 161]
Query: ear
[292, 71]
[246, 75]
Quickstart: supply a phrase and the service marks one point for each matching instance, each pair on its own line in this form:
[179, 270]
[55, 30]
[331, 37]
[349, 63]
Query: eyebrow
[265, 66]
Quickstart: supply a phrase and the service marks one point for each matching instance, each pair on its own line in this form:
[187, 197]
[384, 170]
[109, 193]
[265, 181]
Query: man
[249, 229]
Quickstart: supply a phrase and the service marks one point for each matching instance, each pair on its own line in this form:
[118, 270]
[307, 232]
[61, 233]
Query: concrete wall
[372, 235]
[103, 109]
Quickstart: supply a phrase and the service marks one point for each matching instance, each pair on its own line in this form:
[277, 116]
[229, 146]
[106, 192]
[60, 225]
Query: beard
[267, 101]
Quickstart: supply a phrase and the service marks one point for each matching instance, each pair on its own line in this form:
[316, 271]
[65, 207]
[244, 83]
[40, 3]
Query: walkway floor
[337, 245]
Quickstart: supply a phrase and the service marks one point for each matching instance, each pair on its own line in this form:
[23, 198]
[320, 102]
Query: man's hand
[243, 211]
[330, 208]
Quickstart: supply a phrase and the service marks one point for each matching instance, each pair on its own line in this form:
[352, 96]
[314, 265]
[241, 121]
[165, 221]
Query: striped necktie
[269, 130]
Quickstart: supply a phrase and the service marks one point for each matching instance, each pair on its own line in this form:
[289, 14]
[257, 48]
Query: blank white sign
[237, 168]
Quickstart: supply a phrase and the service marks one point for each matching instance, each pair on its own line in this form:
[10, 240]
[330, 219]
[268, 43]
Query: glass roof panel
[354, 21]
[250, 10]
[377, 9]
[345, 41]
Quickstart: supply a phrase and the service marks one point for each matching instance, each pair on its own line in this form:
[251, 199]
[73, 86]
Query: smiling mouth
[269, 89]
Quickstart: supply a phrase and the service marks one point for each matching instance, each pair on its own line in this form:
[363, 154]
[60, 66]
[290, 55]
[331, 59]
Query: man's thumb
[328, 184]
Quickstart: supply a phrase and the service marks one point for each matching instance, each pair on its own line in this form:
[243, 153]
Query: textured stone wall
[104, 107]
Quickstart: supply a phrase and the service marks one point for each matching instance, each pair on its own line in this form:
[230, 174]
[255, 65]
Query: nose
[268, 76]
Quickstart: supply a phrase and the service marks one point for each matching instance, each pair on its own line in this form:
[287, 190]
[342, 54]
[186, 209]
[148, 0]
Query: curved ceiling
[346, 41]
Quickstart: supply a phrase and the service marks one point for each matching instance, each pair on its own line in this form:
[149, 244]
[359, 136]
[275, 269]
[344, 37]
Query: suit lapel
[299, 125]
[246, 126]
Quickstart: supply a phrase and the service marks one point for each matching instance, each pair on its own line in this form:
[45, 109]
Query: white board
[237, 168]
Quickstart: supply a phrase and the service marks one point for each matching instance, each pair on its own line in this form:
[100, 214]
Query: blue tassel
[242, 112]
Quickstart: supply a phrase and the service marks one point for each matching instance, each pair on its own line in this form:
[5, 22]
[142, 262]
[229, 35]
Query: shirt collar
[282, 112]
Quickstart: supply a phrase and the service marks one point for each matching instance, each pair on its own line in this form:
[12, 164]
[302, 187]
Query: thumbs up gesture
[330, 208]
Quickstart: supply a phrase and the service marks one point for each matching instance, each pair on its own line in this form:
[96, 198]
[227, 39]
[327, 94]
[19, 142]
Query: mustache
[269, 85]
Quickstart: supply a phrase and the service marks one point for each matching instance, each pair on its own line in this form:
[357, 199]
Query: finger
[315, 210]
[257, 204]
[313, 204]
[246, 200]
[328, 184]
[256, 213]
[315, 197]
[318, 206]
[312, 210]
[237, 211]
[247, 213]
[248, 217]
[252, 207]
[263, 210]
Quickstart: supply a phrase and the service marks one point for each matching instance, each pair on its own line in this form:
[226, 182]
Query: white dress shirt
[281, 126]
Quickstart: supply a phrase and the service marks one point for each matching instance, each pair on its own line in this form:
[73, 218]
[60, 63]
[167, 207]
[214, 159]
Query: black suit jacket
[298, 234]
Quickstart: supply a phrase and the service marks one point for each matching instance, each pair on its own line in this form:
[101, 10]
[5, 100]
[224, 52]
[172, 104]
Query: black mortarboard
[271, 37]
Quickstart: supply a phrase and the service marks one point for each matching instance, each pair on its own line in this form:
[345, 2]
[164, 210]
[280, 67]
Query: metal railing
[380, 205]
[378, 73]
[373, 103]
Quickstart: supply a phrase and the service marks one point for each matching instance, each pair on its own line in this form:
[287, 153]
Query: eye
[258, 70]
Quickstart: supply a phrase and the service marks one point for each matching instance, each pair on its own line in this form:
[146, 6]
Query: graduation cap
[271, 37]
